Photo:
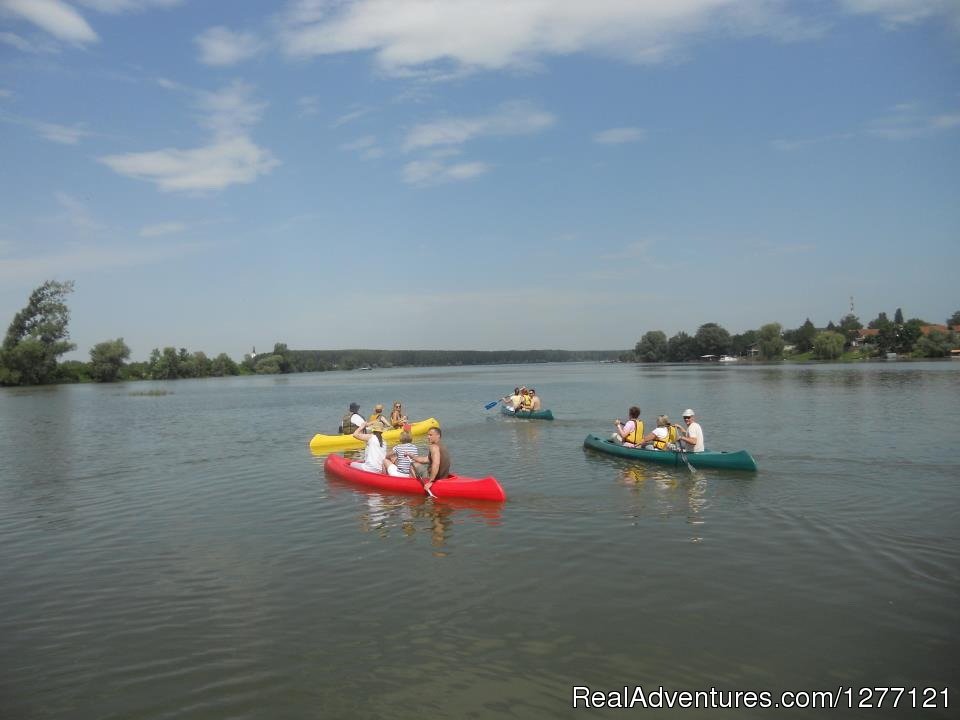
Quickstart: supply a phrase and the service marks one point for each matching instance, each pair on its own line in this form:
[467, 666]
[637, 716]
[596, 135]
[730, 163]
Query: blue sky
[485, 175]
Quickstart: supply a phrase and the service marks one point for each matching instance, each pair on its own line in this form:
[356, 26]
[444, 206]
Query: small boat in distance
[727, 358]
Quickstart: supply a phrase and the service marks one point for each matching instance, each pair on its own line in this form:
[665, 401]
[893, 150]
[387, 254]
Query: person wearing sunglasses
[397, 418]
[692, 435]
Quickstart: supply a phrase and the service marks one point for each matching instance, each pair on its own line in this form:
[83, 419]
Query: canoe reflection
[385, 514]
[667, 492]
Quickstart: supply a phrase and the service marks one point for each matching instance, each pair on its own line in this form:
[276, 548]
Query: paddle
[492, 404]
[683, 452]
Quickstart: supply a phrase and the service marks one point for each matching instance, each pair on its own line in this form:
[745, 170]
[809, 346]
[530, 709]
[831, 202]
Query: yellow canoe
[329, 443]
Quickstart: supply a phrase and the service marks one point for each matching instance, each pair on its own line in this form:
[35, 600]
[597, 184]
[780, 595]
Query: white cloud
[53, 16]
[160, 229]
[63, 134]
[221, 46]
[4, 94]
[231, 110]
[24, 45]
[223, 163]
[407, 35]
[350, 116]
[903, 12]
[114, 7]
[434, 171]
[230, 158]
[617, 136]
[77, 212]
[309, 105]
[516, 118]
[906, 121]
[91, 259]
[360, 143]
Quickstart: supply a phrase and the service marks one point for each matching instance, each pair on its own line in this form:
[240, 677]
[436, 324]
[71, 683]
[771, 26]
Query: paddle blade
[490, 404]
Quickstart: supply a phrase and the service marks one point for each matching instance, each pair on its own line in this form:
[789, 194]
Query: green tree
[652, 347]
[281, 352]
[222, 365]
[908, 335]
[898, 317]
[771, 342]
[712, 339]
[828, 345]
[875, 323]
[269, 365]
[954, 319]
[37, 336]
[681, 347]
[803, 337]
[107, 359]
[935, 345]
[742, 343]
[850, 326]
[165, 365]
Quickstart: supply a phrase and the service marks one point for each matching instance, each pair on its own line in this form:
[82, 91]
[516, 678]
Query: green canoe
[528, 414]
[739, 460]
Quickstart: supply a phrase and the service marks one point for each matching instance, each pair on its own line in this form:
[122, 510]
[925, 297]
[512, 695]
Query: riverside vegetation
[38, 336]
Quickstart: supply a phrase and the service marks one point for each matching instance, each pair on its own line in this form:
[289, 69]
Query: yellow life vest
[526, 402]
[671, 438]
[634, 437]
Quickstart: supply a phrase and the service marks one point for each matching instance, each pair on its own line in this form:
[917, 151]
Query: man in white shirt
[692, 437]
[355, 420]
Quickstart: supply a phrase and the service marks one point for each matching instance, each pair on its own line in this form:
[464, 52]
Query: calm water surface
[184, 555]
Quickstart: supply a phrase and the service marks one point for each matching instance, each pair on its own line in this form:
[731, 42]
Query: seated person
[662, 437]
[399, 458]
[629, 433]
[377, 415]
[352, 420]
[526, 400]
[534, 400]
[512, 402]
[376, 450]
[397, 418]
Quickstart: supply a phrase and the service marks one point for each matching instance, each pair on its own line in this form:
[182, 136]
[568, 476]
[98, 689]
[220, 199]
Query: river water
[184, 556]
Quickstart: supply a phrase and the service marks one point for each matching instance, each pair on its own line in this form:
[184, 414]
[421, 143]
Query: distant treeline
[319, 360]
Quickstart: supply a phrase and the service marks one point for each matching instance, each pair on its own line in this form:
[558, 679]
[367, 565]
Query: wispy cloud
[515, 118]
[231, 157]
[115, 7]
[904, 12]
[52, 16]
[4, 94]
[789, 145]
[435, 171]
[160, 229]
[350, 116]
[63, 134]
[366, 147]
[77, 214]
[907, 121]
[220, 46]
[92, 258]
[27, 46]
[617, 136]
[309, 105]
[465, 35]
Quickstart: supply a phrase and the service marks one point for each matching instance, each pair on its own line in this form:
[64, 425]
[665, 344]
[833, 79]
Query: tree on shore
[771, 342]
[712, 339]
[107, 359]
[954, 319]
[652, 347]
[37, 336]
[803, 337]
[828, 345]
[681, 347]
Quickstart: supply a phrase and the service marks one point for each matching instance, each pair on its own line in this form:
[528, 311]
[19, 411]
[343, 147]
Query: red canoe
[454, 486]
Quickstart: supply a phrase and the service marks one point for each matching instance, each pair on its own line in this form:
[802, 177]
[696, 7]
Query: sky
[476, 174]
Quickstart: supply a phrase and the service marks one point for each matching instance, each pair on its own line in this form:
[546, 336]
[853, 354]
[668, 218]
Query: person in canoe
[401, 455]
[375, 452]
[534, 400]
[397, 418]
[512, 402]
[435, 465]
[662, 437]
[692, 435]
[526, 399]
[629, 433]
[377, 415]
[352, 420]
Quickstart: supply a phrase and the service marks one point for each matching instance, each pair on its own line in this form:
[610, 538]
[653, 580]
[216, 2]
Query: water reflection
[668, 493]
[386, 515]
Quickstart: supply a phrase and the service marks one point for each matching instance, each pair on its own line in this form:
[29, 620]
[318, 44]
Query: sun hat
[688, 413]
[377, 426]
[378, 407]
[354, 407]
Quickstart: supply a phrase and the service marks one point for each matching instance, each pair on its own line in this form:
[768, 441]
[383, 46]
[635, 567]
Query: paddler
[352, 420]
[629, 433]
[436, 465]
